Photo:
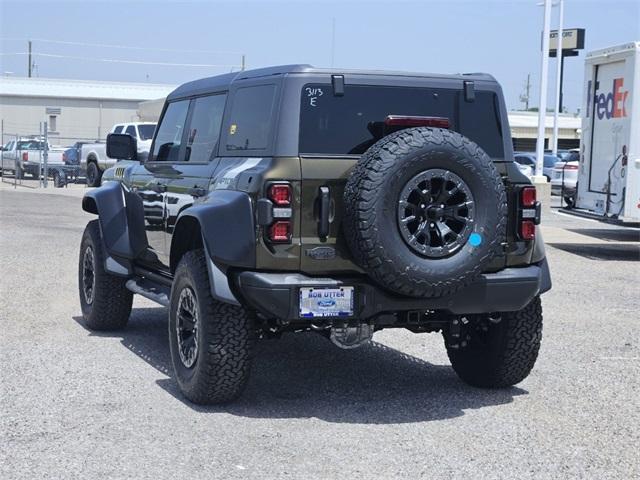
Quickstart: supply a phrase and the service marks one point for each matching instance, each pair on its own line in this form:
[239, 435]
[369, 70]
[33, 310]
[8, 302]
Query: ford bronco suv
[293, 199]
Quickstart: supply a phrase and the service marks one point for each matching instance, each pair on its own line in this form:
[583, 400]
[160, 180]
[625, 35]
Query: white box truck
[609, 175]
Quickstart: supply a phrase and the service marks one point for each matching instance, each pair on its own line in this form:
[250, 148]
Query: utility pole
[333, 40]
[29, 69]
[243, 63]
[525, 96]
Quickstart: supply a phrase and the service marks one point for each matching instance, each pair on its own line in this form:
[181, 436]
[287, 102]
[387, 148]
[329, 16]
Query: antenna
[524, 97]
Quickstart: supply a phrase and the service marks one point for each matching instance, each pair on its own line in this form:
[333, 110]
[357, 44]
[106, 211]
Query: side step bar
[151, 290]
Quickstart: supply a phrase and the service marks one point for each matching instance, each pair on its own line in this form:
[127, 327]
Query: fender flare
[228, 228]
[228, 233]
[121, 216]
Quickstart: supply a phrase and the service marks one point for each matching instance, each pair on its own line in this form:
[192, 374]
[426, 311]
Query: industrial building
[524, 130]
[74, 109]
[86, 110]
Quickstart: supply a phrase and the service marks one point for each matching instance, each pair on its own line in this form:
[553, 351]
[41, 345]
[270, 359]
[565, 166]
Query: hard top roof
[221, 82]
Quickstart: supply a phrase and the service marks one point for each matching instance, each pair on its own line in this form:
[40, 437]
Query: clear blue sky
[498, 37]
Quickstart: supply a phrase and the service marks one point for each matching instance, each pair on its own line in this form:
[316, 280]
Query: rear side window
[131, 130]
[204, 128]
[166, 147]
[118, 129]
[250, 119]
[349, 124]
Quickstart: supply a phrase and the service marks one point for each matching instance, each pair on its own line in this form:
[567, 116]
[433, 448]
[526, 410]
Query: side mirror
[121, 146]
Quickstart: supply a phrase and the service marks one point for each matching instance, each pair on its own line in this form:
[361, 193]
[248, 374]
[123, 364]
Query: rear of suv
[343, 202]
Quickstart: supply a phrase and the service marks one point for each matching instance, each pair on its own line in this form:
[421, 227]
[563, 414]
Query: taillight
[280, 231]
[25, 156]
[570, 166]
[528, 213]
[280, 194]
[64, 157]
[527, 229]
[528, 196]
[277, 213]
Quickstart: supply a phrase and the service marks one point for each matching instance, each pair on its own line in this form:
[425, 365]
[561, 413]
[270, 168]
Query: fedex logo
[610, 105]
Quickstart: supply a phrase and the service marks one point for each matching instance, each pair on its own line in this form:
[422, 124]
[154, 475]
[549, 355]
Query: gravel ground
[77, 404]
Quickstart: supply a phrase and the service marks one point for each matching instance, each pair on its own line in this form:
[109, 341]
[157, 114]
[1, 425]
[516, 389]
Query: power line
[127, 47]
[115, 60]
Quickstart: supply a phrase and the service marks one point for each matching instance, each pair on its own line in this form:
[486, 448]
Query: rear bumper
[276, 295]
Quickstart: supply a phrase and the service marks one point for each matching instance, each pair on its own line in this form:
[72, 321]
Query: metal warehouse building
[74, 109]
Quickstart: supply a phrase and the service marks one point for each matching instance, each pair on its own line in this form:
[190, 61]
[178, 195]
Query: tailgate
[320, 255]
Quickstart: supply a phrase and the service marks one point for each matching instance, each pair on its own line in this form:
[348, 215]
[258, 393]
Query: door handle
[198, 191]
[323, 221]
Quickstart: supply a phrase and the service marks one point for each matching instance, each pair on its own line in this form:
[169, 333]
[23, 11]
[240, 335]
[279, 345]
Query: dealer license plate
[326, 302]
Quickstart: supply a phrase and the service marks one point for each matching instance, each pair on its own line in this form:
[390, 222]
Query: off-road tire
[507, 353]
[372, 192]
[111, 305]
[225, 340]
[94, 175]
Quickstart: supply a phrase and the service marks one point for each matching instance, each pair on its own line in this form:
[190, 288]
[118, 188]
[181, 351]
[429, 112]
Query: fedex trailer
[609, 174]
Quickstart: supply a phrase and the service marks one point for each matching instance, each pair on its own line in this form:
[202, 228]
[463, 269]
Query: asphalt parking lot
[77, 404]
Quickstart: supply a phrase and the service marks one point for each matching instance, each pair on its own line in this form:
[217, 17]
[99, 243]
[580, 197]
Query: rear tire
[57, 180]
[211, 342]
[570, 200]
[505, 353]
[104, 299]
[94, 175]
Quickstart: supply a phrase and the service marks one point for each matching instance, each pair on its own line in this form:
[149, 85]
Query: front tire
[211, 342]
[104, 299]
[498, 355]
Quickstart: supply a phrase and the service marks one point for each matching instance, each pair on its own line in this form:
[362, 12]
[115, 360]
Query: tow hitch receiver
[351, 337]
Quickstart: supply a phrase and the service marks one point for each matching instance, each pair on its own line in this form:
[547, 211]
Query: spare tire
[426, 212]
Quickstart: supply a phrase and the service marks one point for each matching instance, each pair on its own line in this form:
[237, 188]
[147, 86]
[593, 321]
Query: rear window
[30, 145]
[340, 125]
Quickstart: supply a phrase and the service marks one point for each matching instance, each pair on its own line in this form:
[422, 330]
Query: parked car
[527, 170]
[529, 158]
[564, 178]
[24, 155]
[292, 199]
[93, 156]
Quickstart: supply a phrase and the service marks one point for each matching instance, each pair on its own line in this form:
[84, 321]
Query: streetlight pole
[542, 109]
[559, 58]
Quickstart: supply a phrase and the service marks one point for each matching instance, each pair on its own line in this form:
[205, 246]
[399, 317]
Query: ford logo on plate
[327, 303]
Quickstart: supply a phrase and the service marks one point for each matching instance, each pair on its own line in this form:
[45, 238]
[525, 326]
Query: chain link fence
[37, 159]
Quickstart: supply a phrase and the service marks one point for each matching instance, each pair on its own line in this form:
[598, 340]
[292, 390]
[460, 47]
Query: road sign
[572, 39]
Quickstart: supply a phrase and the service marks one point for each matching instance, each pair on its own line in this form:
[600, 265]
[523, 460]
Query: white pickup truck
[93, 157]
[25, 155]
